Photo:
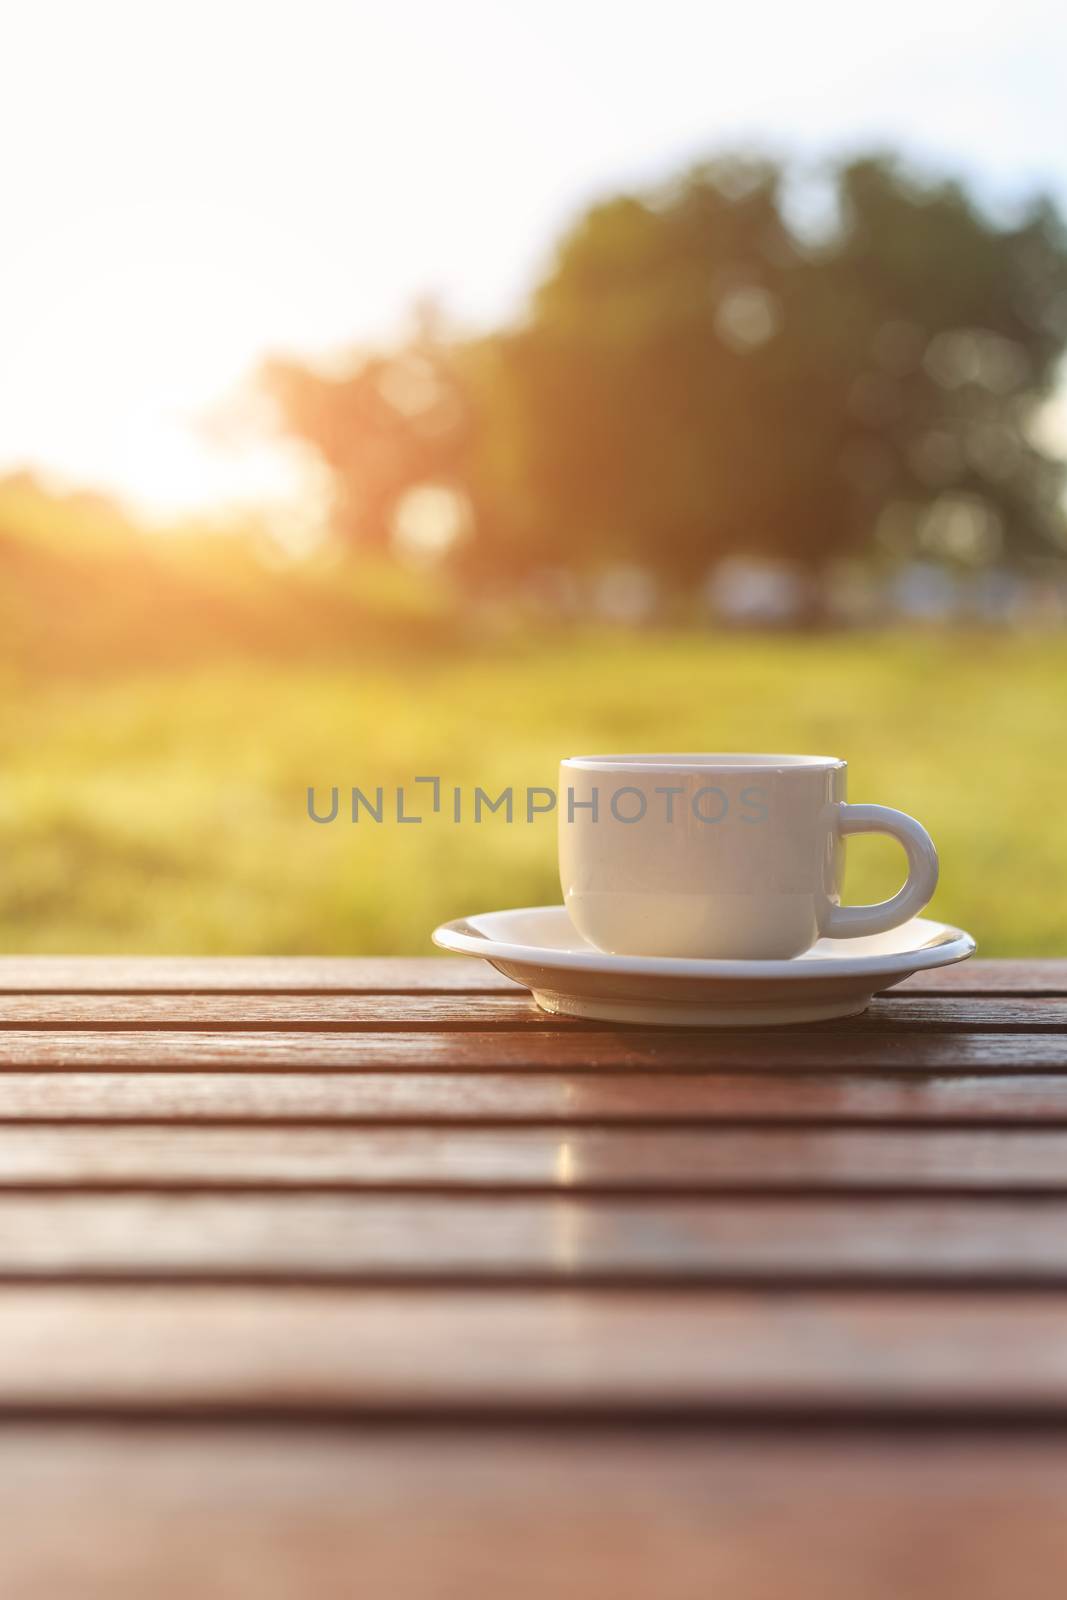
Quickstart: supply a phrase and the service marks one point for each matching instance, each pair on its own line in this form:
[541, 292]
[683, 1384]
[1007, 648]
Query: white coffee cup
[722, 856]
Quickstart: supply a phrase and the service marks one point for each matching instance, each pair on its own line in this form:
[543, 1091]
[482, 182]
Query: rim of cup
[697, 761]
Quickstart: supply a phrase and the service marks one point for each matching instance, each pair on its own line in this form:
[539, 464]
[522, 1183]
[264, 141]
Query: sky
[187, 189]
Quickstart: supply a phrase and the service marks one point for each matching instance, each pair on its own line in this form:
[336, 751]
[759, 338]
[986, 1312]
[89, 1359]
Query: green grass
[166, 812]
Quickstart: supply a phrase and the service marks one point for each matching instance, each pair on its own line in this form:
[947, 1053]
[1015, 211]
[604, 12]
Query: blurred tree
[648, 377]
[955, 325]
[391, 422]
[695, 377]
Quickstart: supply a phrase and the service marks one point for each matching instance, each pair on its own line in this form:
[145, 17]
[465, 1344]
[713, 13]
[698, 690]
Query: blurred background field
[165, 810]
[399, 421]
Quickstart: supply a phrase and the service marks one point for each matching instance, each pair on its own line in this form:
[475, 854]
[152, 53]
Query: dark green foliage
[693, 380]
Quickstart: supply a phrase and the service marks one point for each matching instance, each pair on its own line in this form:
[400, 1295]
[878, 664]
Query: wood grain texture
[427, 974]
[578, 1160]
[224, 1514]
[247, 974]
[977, 977]
[517, 1098]
[500, 1238]
[274, 1011]
[562, 1352]
[539, 1049]
[460, 1010]
[364, 1194]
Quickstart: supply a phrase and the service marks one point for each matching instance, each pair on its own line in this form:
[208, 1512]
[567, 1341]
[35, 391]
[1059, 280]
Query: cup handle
[852, 922]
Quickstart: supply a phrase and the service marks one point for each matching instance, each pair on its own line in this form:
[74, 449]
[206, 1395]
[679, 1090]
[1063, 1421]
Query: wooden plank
[582, 1160]
[247, 974]
[390, 1238]
[546, 1050]
[96, 1513]
[425, 974]
[1031, 977]
[1016, 1099]
[556, 1351]
[1008, 1012]
[463, 1011]
[274, 1011]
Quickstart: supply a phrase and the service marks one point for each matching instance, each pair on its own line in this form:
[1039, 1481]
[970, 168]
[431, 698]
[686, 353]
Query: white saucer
[539, 948]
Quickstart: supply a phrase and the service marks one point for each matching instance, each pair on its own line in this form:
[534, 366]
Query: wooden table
[354, 1277]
